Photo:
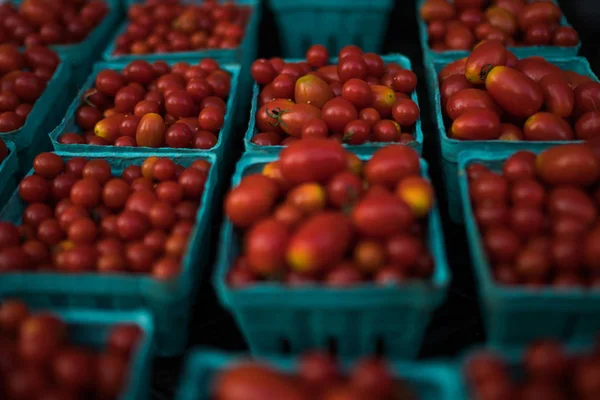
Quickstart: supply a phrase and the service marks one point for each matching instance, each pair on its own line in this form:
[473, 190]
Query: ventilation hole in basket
[286, 347]
[380, 346]
[332, 345]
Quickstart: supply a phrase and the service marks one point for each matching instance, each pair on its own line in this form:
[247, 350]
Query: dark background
[457, 324]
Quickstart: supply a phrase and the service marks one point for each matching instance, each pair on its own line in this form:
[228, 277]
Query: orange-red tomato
[485, 56]
[320, 242]
[547, 126]
[505, 85]
[312, 90]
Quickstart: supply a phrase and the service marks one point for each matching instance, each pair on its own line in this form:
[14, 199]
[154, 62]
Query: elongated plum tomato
[381, 215]
[246, 204]
[457, 67]
[433, 10]
[543, 11]
[266, 120]
[559, 98]
[312, 160]
[320, 242]
[391, 164]
[151, 131]
[505, 85]
[257, 381]
[547, 126]
[293, 118]
[109, 128]
[570, 164]
[312, 90]
[588, 125]
[265, 247]
[536, 67]
[469, 100]
[485, 56]
[476, 125]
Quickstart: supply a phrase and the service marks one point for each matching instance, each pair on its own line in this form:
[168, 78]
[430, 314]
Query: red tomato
[312, 160]
[337, 112]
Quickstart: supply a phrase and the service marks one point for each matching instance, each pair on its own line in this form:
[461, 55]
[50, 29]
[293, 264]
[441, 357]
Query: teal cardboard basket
[91, 328]
[273, 316]
[47, 112]
[429, 380]
[451, 148]
[417, 132]
[169, 301]
[521, 51]
[69, 124]
[244, 55]
[332, 23]
[515, 315]
[81, 56]
[8, 174]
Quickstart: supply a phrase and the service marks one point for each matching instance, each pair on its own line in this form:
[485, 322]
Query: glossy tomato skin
[312, 160]
[312, 90]
[381, 215]
[485, 56]
[337, 113]
[457, 67]
[536, 67]
[468, 100]
[588, 125]
[390, 165]
[505, 85]
[572, 164]
[559, 98]
[293, 119]
[383, 99]
[451, 85]
[264, 122]
[320, 242]
[547, 126]
[476, 125]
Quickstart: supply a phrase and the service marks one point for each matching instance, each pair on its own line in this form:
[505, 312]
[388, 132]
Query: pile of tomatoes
[317, 214]
[360, 99]
[79, 218]
[40, 362]
[539, 217]
[546, 371]
[318, 376]
[460, 24]
[492, 95]
[168, 26]
[154, 105]
[46, 22]
[24, 78]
